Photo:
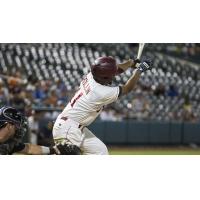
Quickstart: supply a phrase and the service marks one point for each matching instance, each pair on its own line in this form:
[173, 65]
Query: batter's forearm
[131, 83]
[124, 66]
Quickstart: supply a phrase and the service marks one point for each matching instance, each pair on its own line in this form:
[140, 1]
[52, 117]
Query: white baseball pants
[83, 138]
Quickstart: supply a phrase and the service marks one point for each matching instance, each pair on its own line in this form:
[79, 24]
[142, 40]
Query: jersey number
[73, 101]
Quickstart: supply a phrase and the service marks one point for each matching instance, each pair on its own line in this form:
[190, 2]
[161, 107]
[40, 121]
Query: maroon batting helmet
[104, 69]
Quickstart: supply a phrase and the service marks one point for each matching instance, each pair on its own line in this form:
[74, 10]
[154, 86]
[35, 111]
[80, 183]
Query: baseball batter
[94, 93]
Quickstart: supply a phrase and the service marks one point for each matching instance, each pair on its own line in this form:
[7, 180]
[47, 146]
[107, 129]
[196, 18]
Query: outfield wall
[140, 133]
[147, 133]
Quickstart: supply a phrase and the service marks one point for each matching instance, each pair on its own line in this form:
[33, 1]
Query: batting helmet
[10, 115]
[104, 69]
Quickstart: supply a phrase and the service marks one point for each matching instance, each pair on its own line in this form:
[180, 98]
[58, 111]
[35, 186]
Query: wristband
[139, 70]
[45, 150]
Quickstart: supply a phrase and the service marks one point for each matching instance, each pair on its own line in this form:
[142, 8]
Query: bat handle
[136, 62]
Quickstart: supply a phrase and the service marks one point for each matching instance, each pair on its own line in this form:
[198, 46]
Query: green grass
[153, 151]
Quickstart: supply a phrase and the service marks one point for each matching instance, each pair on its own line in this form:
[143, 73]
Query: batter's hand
[133, 62]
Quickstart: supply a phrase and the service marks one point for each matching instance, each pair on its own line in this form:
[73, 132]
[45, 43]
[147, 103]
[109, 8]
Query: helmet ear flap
[94, 69]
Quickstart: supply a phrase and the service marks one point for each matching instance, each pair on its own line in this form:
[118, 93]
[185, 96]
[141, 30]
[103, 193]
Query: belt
[66, 118]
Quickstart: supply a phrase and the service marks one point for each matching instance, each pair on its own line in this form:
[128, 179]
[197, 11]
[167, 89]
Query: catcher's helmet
[10, 115]
[104, 69]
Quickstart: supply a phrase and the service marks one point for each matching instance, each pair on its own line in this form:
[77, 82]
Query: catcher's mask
[104, 70]
[10, 115]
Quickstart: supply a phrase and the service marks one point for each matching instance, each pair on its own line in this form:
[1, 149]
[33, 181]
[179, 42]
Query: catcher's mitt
[64, 148]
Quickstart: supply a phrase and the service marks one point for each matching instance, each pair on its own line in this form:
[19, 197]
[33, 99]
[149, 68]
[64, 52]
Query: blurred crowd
[23, 92]
[189, 51]
[140, 107]
[141, 104]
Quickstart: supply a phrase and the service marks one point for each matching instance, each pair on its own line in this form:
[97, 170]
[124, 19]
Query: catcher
[94, 93]
[13, 126]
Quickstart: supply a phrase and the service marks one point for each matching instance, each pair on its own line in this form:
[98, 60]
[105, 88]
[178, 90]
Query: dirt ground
[119, 150]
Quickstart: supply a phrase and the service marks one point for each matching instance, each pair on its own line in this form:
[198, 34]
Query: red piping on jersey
[66, 118]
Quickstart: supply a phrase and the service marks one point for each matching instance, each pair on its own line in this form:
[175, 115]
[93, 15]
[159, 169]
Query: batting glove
[145, 65]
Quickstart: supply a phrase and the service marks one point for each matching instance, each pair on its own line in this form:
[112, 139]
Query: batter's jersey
[89, 101]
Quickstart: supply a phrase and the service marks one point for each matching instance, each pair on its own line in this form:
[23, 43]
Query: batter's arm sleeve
[112, 95]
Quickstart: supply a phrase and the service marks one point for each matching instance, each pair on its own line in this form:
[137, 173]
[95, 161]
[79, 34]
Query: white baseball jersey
[89, 101]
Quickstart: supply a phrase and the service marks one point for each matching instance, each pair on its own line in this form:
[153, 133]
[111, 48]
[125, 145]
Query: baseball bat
[140, 50]
[139, 54]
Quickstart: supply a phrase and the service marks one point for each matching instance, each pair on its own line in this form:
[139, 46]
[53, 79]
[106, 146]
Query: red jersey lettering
[86, 85]
[73, 101]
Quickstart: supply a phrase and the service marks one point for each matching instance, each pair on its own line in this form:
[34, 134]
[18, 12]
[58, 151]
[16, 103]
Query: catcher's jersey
[11, 147]
[89, 101]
